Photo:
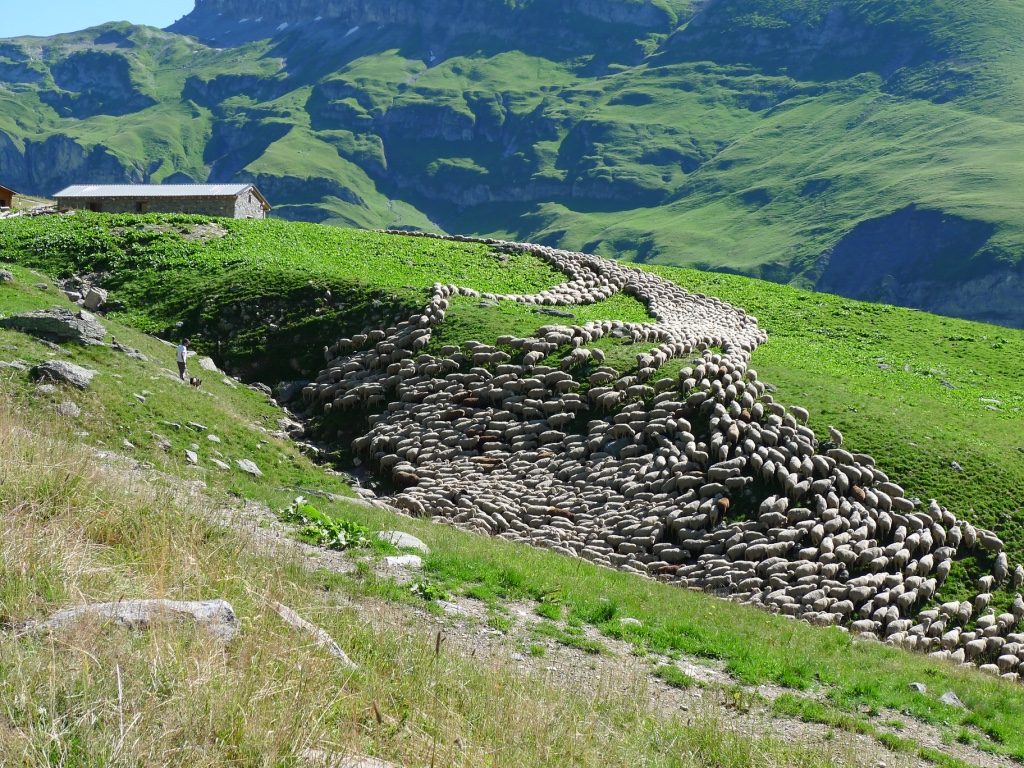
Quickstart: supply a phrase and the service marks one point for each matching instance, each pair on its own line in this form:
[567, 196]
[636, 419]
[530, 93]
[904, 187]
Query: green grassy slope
[855, 680]
[771, 139]
[257, 300]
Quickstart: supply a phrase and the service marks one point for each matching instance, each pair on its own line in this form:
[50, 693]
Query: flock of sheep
[702, 480]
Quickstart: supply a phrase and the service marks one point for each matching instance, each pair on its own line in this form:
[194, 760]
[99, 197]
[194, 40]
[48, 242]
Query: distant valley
[867, 149]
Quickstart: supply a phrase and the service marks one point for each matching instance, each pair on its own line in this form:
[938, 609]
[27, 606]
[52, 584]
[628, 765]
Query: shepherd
[183, 359]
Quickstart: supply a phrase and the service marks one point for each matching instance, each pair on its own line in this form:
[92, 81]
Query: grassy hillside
[919, 392]
[88, 527]
[796, 141]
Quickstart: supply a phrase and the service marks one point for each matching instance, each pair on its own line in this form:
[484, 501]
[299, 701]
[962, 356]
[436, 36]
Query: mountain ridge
[762, 139]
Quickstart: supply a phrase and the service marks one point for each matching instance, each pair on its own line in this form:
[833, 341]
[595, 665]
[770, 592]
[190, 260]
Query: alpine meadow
[612, 384]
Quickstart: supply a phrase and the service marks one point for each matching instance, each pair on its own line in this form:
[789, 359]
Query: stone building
[6, 197]
[232, 201]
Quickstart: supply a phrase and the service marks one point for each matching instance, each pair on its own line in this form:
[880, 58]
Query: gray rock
[69, 410]
[60, 324]
[6, 277]
[215, 615]
[919, 687]
[404, 561]
[219, 464]
[192, 457]
[289, 390]
[403, 541]
[207, 364]
[95, 299]
[248, 466]
[64, 372]
[46, 389]
[952, 700]
[16, 365]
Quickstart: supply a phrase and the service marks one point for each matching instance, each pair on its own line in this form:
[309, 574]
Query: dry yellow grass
[79, 529]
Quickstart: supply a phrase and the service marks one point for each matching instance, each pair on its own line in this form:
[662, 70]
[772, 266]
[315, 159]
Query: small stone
[15, 365]
[138, 397]
[46, 389]
[955, 466]
[229, 383]
[192, 457]
[403, 541]
[919, 687]
[128, 445]
[884, 367]
[248, 466]
[197, 427]
[404, 561]
[219, 464]
[41, 286]
[213, 438]
[630, 622]
[69, 410]
[951, 699]
[6, 277]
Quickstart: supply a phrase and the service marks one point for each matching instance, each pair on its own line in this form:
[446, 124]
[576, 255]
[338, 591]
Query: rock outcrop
[65, 373]
[59, 325]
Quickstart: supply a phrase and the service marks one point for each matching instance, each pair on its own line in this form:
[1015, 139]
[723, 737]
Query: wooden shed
[6, 197]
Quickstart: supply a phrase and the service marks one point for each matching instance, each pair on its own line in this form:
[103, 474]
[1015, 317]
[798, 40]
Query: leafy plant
[321, 530]
[429, 592]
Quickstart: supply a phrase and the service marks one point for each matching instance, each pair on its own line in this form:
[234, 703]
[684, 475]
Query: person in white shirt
[183, 359]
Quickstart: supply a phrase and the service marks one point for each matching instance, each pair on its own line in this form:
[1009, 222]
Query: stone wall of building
[249, 206]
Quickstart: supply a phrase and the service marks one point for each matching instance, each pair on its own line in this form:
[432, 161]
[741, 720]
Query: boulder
[950, 699]
[95, 299]
[215, 615]
[207, 364]
[59, 324]
[6, 277]
[249, 467]
[403, 541]
[64, 372]
[289, 390]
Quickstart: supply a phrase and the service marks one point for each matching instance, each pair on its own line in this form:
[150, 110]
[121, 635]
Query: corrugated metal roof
[153, 190]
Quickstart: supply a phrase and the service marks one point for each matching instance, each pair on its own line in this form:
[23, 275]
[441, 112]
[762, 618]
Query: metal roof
[154, 190]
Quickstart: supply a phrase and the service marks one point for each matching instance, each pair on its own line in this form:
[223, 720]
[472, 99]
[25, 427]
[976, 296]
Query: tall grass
[77, 529]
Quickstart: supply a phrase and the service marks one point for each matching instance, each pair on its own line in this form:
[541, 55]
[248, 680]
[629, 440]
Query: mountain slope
[864, 148]
[905, 414]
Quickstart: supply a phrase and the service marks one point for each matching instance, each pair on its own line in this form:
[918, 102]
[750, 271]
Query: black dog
[196, 382]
